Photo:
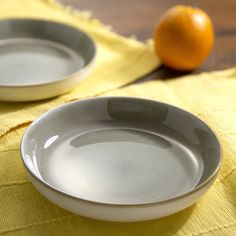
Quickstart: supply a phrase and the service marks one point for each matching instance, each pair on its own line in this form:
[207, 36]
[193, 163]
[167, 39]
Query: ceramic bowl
[41, 59]
[121, 158]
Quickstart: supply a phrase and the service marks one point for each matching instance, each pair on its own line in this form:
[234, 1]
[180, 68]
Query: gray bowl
[41, 59]
[121, 158]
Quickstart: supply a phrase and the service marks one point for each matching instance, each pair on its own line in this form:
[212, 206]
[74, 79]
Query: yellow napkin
[119, 60]
[211, 96]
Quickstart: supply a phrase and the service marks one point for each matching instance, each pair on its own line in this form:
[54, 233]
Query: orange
[184, 37]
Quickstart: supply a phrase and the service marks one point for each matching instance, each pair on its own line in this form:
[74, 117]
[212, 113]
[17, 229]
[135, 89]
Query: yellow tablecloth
[23, 211]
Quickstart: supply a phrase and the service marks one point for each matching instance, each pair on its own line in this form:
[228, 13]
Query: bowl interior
[120, 150]
[41, 51]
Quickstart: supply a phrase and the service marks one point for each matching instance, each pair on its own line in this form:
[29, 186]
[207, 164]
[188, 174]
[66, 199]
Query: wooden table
[139, 17]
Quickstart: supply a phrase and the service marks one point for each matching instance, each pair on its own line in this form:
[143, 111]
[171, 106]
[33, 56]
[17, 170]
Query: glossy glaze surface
[34, 61]
[36, 54]
[121, 166]
[118, 151]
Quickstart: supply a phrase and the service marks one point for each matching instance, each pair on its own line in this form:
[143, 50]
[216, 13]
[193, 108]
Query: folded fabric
[211, 96]
[119, 60]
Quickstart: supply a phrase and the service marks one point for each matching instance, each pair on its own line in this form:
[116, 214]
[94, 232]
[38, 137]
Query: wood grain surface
[139, 17]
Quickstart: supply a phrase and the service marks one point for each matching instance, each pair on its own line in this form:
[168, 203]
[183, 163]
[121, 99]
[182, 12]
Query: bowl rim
[165, 201]
[77, 73]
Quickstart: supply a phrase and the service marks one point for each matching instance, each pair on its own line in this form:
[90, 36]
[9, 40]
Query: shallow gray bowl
[121, 158]
[41, 59]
